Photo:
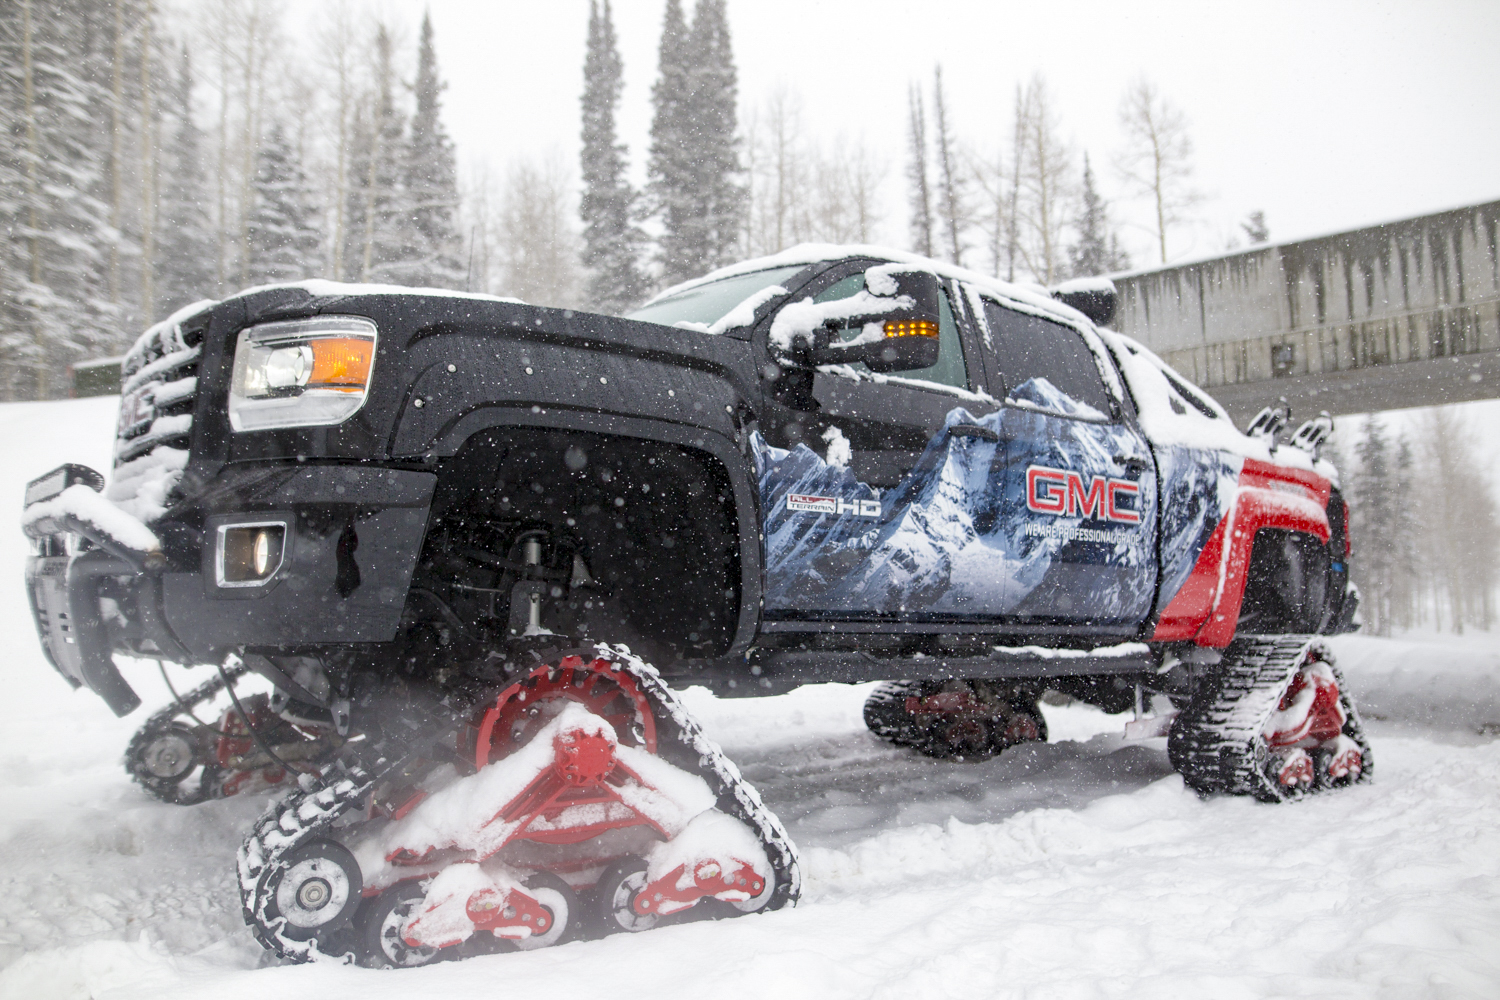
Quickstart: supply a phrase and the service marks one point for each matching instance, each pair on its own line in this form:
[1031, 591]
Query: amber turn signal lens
[910, 328]
[340, 363]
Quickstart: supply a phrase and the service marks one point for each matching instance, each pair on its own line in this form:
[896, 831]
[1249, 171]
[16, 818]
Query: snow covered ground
[1080, 868]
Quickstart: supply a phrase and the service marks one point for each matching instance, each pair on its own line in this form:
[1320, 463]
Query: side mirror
[896, 318]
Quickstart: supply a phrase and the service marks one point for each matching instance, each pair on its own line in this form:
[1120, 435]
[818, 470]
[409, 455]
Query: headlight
[302, 373]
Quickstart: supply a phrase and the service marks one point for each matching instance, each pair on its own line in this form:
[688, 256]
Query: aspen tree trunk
[117, 138]
[39, 372]
[28, 87]
[1161, 212]
[1044, 204]
[1013, 225]
[341, 181]
[148, 175]
[247, 175]
[221, 265]
[341, 44]
[364, 268]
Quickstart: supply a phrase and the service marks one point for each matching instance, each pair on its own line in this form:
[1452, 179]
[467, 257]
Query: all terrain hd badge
[814, 504]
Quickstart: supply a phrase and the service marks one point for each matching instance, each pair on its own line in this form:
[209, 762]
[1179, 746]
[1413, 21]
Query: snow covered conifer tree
[611, 240]
[670, 167]
[1406, 549]
[378, 229]
[714, 122]
[282, 235]
[1374, 525]
[1097, 250]
[431, 185]
[54, 265]
[1256, 230]
[694, 164]
[1463, 538]
[185, 249]
[920, 194]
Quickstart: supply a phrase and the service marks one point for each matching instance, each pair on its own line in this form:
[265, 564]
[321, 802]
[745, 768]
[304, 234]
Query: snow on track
[1082, 868]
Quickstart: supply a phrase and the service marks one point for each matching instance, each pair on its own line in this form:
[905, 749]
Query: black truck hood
[446, 362]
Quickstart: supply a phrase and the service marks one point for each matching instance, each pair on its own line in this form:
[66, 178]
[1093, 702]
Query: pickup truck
[441, 525]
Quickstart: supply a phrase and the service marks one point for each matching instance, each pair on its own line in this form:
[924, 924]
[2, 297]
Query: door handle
[973, 431]
[1133, 463]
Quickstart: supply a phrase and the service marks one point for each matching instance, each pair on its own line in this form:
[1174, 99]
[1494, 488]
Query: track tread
[291, 821]
[1216, 742]
[886, 716]
[736, 796]
[163, 789]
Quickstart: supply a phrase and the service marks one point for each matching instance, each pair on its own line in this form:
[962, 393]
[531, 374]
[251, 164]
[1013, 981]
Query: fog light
[249, 554]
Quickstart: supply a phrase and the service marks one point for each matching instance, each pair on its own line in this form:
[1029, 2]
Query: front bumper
[353, 534]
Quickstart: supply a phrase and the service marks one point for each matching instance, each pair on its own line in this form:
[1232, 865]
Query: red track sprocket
[597, 684]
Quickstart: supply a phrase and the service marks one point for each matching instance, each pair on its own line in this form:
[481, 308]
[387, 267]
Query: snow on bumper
[80, 510]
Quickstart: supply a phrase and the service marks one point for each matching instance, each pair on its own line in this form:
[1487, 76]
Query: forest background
[159, 153]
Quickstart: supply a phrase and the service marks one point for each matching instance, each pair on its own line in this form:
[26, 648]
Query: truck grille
[158, 388]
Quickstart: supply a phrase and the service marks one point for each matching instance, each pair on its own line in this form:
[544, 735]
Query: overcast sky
[1327, 116]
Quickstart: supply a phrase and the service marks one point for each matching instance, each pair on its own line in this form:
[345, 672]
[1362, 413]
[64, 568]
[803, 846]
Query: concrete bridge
[1397, 315]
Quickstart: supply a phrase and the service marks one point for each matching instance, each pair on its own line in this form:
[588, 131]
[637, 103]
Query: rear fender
[1207, 607]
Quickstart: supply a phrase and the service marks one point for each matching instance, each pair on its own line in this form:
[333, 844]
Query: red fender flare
[1207, 607]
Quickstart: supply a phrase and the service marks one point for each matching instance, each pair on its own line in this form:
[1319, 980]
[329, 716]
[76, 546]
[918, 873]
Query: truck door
[1078, 482]
[868, 483]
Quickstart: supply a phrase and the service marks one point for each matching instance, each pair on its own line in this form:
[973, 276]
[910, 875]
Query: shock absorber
[532, 553]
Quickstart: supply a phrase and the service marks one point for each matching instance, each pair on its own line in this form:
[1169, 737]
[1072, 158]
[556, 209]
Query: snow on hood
[322, 288]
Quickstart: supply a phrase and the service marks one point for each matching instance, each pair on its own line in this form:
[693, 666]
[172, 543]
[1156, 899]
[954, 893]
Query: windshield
[708, 302]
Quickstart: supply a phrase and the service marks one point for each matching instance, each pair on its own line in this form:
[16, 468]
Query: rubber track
[292, 821]
[161, 788]
[1217, 743]
[735, 795]
[886, 715]
[310, 812]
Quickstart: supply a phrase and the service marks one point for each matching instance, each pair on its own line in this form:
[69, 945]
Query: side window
[1039, 359]
[950, 368]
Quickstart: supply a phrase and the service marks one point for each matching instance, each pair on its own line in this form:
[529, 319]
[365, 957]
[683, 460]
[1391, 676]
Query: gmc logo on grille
[1063, 492]
[137, 409]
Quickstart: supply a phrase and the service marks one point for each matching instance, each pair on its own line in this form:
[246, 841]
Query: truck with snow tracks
[445, 558]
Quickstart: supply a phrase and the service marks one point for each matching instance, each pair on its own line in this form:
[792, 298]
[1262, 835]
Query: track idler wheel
[616, 894]
[557, 898]
[315, 892]
[166, 757]
[382, 926]
[965, 720]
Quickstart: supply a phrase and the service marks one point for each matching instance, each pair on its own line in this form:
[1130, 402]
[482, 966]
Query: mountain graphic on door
[957, 538]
